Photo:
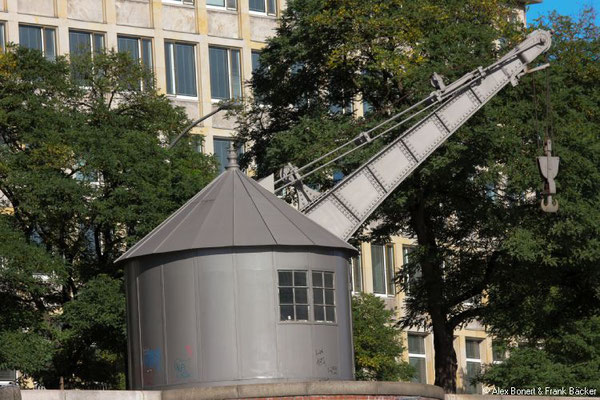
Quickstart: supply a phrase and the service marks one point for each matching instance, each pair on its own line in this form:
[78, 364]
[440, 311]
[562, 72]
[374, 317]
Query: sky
[566, 7]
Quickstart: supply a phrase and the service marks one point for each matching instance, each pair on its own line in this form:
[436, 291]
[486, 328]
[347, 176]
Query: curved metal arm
[224, 106]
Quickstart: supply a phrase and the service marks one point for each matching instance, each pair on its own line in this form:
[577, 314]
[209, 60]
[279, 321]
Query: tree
[84, 167]
[327, 52]
[377, 341]
[473, 205]
[569, 359]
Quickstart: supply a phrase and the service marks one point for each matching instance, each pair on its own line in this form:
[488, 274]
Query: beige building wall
[189, 21]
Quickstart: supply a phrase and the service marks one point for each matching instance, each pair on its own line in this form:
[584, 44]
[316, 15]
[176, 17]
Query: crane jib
[346, 206]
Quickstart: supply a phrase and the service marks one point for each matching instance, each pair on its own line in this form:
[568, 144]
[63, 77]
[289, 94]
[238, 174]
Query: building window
[498, 352]
[323, 296]
[8, 375]
[221, 150]
[225, 73]
[293, 295]
[255, 60]
[38, 38]
[81, 42]
[414, 274]
[357, 274]
[227, 4]
[473, 347]
[268, 7]
[140, 50]
[2, 38]
[416, 357]
[382, 260]
[180, 60]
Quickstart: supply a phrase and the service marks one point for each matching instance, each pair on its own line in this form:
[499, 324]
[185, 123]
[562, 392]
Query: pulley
[548, 166]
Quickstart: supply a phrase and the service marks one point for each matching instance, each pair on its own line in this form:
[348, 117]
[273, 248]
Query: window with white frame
[2, 37]
[498, 351]
[293, 295]
[180, 63]
[223, 4]
[357, 273]
[9, 375]
[39, 38]
[415, 272]
[382, 261]
[323, 296]
[225, 73]
[82, 42]
[417, 357]
[473, 353]
[268, 7]
[221, 150]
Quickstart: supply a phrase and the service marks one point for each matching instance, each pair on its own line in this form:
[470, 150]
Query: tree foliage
[473, 206]
[377, 341]
[85, 171]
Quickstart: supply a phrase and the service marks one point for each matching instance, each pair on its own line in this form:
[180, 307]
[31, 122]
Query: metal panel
[150, 291]
[361, 192]
[256, 292]
[392, 164]
[294, 345]
[216, 289]
[339, 220]
[180, 312]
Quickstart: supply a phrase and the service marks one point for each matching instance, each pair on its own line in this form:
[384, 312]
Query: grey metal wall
[211, 317]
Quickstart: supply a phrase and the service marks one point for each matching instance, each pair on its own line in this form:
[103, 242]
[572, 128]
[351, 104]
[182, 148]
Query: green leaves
[86, 174]
[377, 341]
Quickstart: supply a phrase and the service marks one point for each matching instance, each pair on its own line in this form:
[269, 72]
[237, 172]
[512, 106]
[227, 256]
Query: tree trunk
[445, 359]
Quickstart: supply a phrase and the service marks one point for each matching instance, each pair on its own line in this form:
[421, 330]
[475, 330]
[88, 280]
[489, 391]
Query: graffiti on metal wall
[182, 366]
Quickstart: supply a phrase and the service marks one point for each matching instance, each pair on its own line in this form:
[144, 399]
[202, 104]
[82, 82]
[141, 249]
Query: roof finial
[232, 157]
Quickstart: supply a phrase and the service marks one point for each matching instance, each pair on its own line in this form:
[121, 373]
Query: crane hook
[548, 166]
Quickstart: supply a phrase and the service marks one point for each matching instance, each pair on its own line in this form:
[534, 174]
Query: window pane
[169, 67]
[416, 344]
[128, 45]
[285, 278]
[219, 73]
[232, 4]
[378, 272]
[329, 297]
[147, 53]
[301, 296]
[300, 278]
[219, 3]
[257, 5]
[317, 279]
[498, 351]
[185, 70]
[473, 369]
[236, 74]
[357, 274]
[318, 296]
[420, 373]
[286, 295]
[2, 39]
[255, 60]
[79, 42]
[8, 375]
[271, 7]
[328, 279]
[319, 313]
[302, 313]
[98, 42]
[50, 43]
[389, 264]
[221, 150]
[286, 313]
[472, 348]
[330, 314]
[30, 37]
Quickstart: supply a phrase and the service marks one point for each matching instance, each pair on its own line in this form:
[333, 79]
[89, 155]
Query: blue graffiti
[152, 359]
[182, 369]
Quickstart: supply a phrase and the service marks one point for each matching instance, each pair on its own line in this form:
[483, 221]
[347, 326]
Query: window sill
[182, 97]
[262, 14]
[222, 10]
[179, 4]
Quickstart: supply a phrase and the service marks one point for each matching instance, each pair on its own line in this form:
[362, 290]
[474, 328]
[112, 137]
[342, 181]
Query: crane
[343, 208]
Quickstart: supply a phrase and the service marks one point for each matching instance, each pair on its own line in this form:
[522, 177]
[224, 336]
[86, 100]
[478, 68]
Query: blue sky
[567, 7]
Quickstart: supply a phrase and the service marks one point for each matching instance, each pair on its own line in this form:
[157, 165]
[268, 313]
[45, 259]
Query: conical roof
[234, 210]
